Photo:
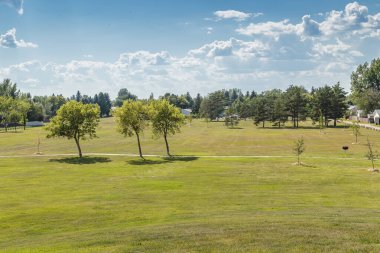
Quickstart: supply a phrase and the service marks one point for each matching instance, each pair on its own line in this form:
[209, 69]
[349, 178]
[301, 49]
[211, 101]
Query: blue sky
[177, 46]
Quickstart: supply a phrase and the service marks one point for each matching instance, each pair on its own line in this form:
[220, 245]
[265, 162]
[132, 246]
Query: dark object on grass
[345, 148]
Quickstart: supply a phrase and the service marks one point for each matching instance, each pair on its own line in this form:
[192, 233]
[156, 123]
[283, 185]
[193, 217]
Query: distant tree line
[277, 106]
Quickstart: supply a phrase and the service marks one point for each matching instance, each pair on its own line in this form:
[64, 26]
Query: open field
[199, 139]
[121, 204]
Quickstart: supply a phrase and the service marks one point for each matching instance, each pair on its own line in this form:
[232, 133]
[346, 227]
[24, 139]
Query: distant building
[186, 112]
[376, 117]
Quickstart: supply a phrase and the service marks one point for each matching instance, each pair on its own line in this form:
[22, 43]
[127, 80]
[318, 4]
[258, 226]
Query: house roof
[376, 112]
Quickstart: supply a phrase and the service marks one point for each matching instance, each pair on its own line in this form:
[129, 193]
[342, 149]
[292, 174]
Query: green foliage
[261, 112]
[131, 119]
[328, 102]
[355, 130]
[296, 101]
[166, 120]
[75, 120]
[23, 108]
[9, 89]
[365, 86]
[371, 155]
[123, 95]
[212, 106]
[299, 148]
[231, 119]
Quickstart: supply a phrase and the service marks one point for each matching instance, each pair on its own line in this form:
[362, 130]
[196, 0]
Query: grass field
[122, 204]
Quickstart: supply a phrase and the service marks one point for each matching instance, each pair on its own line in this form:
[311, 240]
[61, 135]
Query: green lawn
[120, 204]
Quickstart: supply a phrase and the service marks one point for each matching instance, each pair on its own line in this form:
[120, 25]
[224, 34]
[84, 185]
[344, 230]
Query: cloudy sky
[179, 45]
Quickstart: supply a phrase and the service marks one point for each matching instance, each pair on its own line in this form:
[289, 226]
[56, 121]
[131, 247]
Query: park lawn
[200, 138]
[119, 204]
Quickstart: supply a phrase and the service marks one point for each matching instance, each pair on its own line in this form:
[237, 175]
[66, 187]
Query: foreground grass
[103, 204]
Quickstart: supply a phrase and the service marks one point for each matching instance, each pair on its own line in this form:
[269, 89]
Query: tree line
[277, 107]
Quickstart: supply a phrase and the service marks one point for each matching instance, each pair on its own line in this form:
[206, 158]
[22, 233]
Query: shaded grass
[83, 160]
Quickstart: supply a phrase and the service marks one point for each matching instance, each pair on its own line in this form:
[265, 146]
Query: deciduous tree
[75, 120]
[131, 119]
[166, 120]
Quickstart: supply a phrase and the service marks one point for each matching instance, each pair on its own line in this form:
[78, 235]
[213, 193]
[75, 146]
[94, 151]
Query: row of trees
[78, 121]
[277, 106]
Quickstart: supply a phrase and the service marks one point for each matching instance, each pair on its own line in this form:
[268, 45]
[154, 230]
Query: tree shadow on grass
[180, 158]
[83, 160]
[164, 160]
[146, 162]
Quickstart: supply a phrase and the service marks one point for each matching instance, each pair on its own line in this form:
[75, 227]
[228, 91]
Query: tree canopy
[166, 120]
[75, 120]
[131, 119]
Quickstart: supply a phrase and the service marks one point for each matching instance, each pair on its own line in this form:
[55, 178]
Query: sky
[152, 46]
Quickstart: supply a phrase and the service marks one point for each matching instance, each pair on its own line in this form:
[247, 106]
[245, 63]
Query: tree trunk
[334, 122]
[263, 124]
[78, 146]
[167, 145]
[138, 143]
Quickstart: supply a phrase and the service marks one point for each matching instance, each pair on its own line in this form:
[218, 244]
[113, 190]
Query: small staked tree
[166, 120]
[131, 119]
[75, 120]
[355, 130]
[299, 148]
[371, 154]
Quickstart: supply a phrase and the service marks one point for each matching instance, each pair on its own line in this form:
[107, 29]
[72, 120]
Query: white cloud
[354, 20]
[270, 28]
[17, 4]
[9, 40]
[232, 14]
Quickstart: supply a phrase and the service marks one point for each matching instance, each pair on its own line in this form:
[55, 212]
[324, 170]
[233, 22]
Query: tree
[78, 96]
[131, 119]
[8, 111]
[364, 80]
[295, 100]
[279, 115]
[166, 120]
[212, 106]
[243, 108]
[371, 154]
[321, 103]
[231, 119]
[355, 130]
[36, 112]
[9, 89]
[104, 102]
[299, 148]
[75, 120]
[197, 104]
[338, 102]
[23, 108]
[123, 95]
[261, 110]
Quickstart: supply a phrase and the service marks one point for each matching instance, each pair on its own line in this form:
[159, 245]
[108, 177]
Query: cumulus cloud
[270, 28]
[220, 64]
[353, 20]
[17, 4]
[232, 14]
[9, 40]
